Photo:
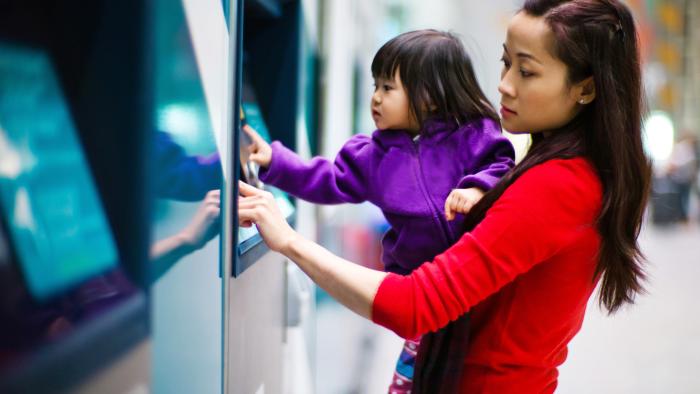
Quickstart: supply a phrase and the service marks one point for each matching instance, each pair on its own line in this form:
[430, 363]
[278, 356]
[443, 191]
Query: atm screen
[249, 169]
[49, 203]
[251, 115]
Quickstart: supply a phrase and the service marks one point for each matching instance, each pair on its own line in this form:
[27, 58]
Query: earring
[582, 101]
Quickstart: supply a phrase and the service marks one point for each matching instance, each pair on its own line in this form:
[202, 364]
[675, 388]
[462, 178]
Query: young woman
[563, 220]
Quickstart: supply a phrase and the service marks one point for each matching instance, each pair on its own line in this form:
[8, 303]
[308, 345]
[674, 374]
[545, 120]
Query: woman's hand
[461, 201]
[259, 207]
[351, 284]
[260, 150]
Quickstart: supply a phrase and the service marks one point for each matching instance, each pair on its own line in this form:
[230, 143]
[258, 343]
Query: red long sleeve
[525, 272]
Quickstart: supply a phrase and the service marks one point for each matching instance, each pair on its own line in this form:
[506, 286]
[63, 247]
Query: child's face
[390, 109]
[535, 93]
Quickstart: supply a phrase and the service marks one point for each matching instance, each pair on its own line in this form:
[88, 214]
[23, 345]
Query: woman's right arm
[352, 285]
[537, 216]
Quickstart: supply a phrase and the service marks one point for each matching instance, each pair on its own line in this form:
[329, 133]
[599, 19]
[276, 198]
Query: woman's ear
[584, 91]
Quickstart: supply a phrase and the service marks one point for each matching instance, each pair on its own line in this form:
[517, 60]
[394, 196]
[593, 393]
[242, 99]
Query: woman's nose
[505, 88]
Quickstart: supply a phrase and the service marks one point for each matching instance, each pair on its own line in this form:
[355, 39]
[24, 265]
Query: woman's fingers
[255, 202]
[247, 214]
[246, 190]
[251, 215]
[246, 217]
[249, 202]
[262, 210]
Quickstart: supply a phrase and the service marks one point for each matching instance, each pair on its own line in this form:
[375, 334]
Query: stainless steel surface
[256, 327]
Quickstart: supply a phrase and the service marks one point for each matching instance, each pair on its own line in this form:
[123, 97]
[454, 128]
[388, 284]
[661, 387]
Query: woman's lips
[505, 111]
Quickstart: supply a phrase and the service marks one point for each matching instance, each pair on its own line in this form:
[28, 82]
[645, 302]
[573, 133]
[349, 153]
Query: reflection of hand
[259, 207]
[461, 201]
[260, 150]
[202, 228]
[205, 223]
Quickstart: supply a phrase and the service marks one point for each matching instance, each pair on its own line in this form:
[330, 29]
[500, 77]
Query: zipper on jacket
[446, 233]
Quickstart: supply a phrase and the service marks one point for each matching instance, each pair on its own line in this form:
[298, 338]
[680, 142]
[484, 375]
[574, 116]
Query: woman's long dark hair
[593, 38]
[436, 73]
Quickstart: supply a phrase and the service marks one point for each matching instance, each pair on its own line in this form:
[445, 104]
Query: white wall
[482, 27]
[354, 30]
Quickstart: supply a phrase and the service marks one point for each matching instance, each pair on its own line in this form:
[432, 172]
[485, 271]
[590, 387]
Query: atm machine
[74, 114]
[230, 62]
[273, 63]
[116, 119]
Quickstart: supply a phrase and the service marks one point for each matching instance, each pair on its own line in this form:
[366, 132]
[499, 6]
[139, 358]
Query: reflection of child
[436, 150]
[183, 177]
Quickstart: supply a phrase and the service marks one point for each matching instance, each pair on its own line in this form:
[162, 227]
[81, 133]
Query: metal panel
[256, 332]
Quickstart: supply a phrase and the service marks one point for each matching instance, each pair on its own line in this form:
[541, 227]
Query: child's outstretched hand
[260, 150]
[461, 201]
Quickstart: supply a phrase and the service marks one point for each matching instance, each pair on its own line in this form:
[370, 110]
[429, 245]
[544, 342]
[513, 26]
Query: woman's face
[535, 94]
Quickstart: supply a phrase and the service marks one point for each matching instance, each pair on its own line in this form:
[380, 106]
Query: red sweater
[525, 272]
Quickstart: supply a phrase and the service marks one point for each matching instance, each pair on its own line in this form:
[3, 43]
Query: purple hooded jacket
[408, 180]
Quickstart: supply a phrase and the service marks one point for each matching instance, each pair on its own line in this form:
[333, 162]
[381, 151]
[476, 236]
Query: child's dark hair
[436, 73]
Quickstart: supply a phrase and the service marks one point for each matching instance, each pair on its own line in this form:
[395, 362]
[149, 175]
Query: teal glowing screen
[49, 202]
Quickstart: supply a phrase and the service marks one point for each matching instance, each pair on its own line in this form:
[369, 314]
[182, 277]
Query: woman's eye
[525, 74]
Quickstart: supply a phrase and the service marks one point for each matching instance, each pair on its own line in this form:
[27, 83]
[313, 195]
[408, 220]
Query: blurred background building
[648, 348]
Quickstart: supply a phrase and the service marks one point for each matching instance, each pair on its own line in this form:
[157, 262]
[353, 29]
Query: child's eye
[387, 87]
